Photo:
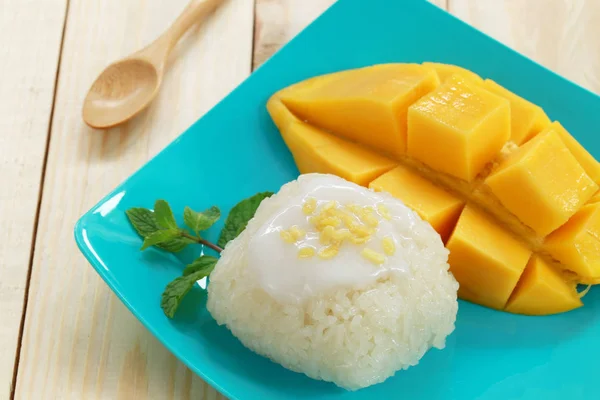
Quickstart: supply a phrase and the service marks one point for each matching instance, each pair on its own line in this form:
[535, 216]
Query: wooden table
[63, 334]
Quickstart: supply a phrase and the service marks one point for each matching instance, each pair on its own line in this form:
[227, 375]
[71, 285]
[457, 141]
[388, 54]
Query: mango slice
[542, 291]
[577, 243]
[527, 119]
[485, 259]
[445, 71]
[514, 197]
[468, 125]
[435, 205]
[542, 183]
[589, 163]
[316, 151]
[595, 198]
[372, 99]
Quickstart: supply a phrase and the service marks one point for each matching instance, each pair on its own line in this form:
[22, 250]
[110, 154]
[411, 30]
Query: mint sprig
[164, 215]
[159, 229]
[201, 221]
[239, 216]
[202, 263]
[176, 291]
[145, 224]
[159, 237]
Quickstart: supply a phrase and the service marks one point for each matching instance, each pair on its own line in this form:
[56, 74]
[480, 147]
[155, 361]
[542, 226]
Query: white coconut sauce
[288, 278]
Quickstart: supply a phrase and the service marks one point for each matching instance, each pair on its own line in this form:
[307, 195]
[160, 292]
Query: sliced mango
[485, 259]
[587, 161]
[372, 99]
[577, 243]
[467, 124]
[595, 198]
[526, 119]
[531, 228]
[435, 205]
[317, 151]
[542, 183]
[542, 291]
[280, 114]
[445, 71]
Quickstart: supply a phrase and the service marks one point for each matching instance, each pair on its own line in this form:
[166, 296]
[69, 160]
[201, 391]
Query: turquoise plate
[491, 355]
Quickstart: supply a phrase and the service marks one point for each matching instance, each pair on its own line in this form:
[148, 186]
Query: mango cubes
[542, 183]
[542, 291]
[468, 125]
[445, 71]
[577, 243]
[373, 100]
[435, 205]
[514, 197]
[486, 260]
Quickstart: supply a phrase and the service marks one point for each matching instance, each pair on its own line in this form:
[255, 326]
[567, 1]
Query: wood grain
[30, 37]
[79, 341]
[277, 21]
[562, 35]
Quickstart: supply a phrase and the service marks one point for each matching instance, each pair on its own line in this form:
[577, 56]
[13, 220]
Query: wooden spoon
[128, 86]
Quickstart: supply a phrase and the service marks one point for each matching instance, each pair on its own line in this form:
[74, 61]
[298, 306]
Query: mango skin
[514, 275]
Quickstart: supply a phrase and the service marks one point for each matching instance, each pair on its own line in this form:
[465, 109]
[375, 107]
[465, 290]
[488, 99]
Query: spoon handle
[195, 12]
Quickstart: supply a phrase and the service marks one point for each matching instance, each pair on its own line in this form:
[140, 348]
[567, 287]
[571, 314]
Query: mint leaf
[142, 220]
[176, 291]
[144, 223]
[159, 237]
[200, 221]
[202, 263]
[164, 215]
[239, 216]
[175, 245]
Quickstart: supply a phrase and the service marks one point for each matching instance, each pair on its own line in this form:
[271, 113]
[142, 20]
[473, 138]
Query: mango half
[514, 196]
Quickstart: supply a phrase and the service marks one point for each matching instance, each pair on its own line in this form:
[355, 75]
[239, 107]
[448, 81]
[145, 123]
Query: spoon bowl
[128, 86]
[122, 90]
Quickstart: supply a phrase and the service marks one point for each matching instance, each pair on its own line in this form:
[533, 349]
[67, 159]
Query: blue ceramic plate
[491, 355]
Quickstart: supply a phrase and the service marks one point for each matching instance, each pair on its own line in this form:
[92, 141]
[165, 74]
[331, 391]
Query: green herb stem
[202, 241]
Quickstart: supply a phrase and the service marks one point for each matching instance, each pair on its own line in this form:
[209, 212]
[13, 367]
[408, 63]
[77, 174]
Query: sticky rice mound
[352, 336]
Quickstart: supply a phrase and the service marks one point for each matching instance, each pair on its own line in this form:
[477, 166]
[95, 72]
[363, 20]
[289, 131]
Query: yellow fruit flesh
[542, 291]
[460, 116]
[435, 205]
[485, 259]
[462, 149]
[316, 151]
[527, 119]
[445, 71]
[589, 163]
[372, 99]
[542, 183]
[577, 243]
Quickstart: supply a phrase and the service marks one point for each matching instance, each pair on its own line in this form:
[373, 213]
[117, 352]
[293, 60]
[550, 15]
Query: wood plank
[79, 340]
[278, 21]
[30, 38]
[562, 35]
